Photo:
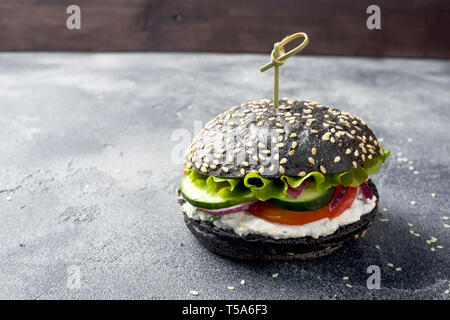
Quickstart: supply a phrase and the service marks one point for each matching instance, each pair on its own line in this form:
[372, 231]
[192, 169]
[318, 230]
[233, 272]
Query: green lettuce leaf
[264, 188]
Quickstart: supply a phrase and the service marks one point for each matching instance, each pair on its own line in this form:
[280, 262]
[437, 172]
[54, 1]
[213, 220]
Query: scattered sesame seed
[447, 291]
[345, 278]
[355, 165]
[432, 249]
[230, 288]
[416, 172]
[444, 218]
[378, 247]
[225, 169]
[242, 281]
[440, 247]
[194, 293]
[398, 269]
[349, 285]
[413, 203]
[337, 159]
[322, 168]
[275, 275]
[383, 219]
[293, 135]
[8, 198]
[389, 264]
[433, 195]
[283, 161]
[313, 151]
[117, 171]
[282, 171]
[410, 224]
[311, 160]
[384, 209]
[302, 174]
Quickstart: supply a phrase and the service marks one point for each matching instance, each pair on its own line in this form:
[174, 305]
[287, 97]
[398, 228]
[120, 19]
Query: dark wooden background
[414, 28]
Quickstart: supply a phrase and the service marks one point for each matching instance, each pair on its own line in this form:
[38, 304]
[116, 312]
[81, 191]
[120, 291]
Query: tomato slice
[269, 212]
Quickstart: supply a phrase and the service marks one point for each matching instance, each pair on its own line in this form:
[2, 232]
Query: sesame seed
[348, 151]
[245, 163]
[261, 170]
[416, 172]
[242, 281]
[311, 160]
[322, 168]
[345, 278]
[302, 174]
[283, 161]
[276, 156]
[440, 247]
[413, 203]
[8, 198]
[444, 218]
[383, 219]
[378, 247]
[313, 151]
[433, 195]
[272, 167]
[275, 275]
[293, 135]
[194, 293]
[337, 159]
[398, 269]
[389, 264]
[280, 145]
[326, 136]
[410, 224]
[225, 169]
[282, 171]
[230, 288]
[349, 285]
[355, 165]
[242, 171]
[356, 153]
[432, 249]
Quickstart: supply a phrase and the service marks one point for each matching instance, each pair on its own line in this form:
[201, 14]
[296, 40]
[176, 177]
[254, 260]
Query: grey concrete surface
[90, 149]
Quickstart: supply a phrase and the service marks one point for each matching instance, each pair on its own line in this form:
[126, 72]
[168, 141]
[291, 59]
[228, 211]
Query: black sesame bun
[294, 139]
[258, 247]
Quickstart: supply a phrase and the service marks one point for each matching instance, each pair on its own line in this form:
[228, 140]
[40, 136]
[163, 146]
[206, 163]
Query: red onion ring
[233, 209]
[366, 191]
[295, 192]
[338, 198]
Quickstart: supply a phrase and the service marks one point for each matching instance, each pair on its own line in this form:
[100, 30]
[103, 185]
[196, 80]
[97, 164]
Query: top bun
[294, 139]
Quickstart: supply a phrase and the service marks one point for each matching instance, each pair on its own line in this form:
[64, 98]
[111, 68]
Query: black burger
[280, 183]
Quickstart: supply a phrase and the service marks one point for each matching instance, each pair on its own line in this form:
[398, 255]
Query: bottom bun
[227, 243]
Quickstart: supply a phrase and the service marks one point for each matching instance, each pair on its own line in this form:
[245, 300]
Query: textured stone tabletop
[90, 157]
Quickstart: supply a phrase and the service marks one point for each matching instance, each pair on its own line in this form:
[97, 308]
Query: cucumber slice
[199, 197]
[309, 200]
